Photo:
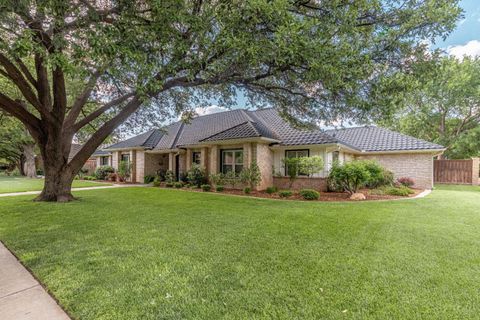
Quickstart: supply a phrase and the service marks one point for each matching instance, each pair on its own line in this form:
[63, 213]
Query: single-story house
[231, 140]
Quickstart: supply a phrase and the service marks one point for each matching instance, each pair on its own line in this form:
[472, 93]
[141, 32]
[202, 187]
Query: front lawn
[20, 184]
[150, 253]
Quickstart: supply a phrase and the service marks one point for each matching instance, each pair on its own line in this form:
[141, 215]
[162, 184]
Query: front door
[177, 173]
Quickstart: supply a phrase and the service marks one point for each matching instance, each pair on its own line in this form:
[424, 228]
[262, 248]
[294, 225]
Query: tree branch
[95, 114]
[82, 98]
[17, 78]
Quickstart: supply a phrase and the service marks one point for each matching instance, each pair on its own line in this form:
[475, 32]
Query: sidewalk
[21, 296]
[26, 193]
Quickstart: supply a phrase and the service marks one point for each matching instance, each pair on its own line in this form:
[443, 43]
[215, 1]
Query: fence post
[475, 171]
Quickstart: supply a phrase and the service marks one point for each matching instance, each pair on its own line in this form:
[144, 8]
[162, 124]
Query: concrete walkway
[25, 193]
[21, 296]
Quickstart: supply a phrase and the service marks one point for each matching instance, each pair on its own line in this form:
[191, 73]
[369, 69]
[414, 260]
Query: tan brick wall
[213, 161]
[115, 159]
[319, 184]
[264, 159]
[140, 166]
[418, 166]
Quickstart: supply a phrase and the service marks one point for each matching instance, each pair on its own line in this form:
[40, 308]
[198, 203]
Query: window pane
[227, 157]
[226, 168]
[239, 157]
[238, 168]
[303, 153]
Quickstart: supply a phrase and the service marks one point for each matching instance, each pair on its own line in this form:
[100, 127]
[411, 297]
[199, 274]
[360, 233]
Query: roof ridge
[177, 135]
[230, 128]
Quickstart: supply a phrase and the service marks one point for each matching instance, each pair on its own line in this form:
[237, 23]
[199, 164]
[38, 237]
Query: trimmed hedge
[309, 194]
[206, 187]
[285, 193]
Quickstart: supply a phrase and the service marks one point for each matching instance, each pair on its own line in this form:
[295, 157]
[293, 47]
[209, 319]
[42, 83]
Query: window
[125, 157]
[296, 154]
[335, 156]
[232, 160]
[104, 161]
[196, 157]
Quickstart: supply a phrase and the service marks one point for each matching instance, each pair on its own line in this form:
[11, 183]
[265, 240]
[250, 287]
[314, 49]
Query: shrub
[247, 190]
[251, 176]
[311, 165]
[292, 168]
[217, 179]
[156, 182]
[350, 176]
[406, 181]
[219, 188]
[206, 187]
[89, 178]
[149, 178]
[379, 176]
[161, 174]
[112, 177]
[196, 175]
[285, 193]
[124, 170]
[309, 194]
[187, 185]
[178, 185]
[102, 172]
[271, 190]
[169, 184]
[399, 191]
[231, 178]
[169, 176]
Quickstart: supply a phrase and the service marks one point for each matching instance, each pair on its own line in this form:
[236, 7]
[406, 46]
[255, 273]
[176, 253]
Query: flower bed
[324, 196]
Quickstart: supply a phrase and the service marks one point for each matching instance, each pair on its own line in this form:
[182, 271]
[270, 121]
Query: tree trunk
[29, 164]
[58, 174]
[58, 185]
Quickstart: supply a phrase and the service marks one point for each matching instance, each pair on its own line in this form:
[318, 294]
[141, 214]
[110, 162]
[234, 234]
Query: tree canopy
[310, 59]
[440, 102]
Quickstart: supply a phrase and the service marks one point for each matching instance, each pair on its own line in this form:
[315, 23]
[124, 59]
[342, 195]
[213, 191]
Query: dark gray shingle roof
[99, 153]
[379, 139]
[290, 135]
[267, 123]
[148, 139]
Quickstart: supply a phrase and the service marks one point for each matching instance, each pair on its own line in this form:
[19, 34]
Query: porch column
[203, 157]
[171, 162]
[213, 162]
[140, 166]
[115, 159]
[247, 154]
[133, 166]
[188, 160]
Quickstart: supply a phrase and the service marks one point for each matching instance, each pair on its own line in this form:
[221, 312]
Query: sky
[464, 40]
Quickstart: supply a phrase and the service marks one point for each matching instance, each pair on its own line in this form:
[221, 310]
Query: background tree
[312, 60]
[17, 146]
[440, 102]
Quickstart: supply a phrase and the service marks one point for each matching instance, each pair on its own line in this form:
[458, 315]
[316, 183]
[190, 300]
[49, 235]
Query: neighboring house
[92, 161]
[231, 140]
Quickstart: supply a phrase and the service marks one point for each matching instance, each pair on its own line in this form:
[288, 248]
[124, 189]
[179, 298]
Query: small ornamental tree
[217, 179]
[292, 169]
[232, 178]
[196, 175]
[251, 176]
[124, 170]
[311, 165]
[350, 176]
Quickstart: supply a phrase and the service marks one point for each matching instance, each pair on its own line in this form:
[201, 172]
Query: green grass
[20, 184]
[148, 253]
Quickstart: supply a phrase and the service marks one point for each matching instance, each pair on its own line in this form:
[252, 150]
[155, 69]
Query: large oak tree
[311, 59]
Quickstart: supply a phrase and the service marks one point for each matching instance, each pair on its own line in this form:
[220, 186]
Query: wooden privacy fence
[456, 171]
[90, 165]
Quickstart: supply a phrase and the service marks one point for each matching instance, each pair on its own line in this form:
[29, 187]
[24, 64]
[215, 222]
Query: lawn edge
[422, 194]
[47, 290]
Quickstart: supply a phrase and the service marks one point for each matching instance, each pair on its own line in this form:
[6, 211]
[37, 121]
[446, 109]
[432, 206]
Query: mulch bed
[324, 196]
